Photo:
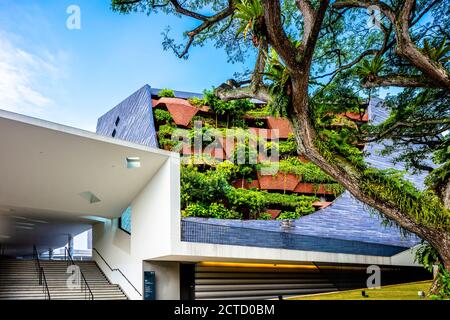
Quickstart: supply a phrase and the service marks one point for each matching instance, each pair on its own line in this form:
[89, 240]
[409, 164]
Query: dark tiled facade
[131, 120]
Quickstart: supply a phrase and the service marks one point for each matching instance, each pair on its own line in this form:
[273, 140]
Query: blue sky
[74, 76]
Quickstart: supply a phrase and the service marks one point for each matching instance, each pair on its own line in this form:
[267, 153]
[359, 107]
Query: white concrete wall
[406, 258]
[152, 218]
[167, 279]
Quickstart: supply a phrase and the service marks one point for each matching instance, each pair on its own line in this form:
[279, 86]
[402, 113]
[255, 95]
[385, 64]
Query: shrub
[228, 169]
[218, 211]
[289, 215]
[165, 131]
[166, 93]
[215, 210]
[196, 101]
[165, 136]
[288, 147]
[302, 204]
[299, 211]
[265, 216]
[308, 171]
[259, 112]
[249, 201]
[196, 210]
[211, 186]
[163, 116]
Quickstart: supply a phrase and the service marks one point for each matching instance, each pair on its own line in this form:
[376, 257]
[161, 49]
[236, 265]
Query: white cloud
[23, 76]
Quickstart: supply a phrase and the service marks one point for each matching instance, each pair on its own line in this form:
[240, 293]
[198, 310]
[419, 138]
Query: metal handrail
[116, 269]
[86, 285]
[41, 274]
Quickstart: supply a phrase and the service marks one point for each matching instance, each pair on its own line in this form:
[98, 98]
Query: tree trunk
[349, 178]
[443, 248]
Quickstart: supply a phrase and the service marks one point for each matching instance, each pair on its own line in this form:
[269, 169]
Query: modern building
[57, 182]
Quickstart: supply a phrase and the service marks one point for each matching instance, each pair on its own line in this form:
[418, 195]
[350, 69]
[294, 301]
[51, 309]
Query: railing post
[40, 276]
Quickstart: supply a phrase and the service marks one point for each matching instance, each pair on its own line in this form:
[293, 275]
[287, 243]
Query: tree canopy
[320, 57]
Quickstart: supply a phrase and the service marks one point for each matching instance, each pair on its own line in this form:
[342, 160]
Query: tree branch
[315, 30]
[276, 35]
[207, 22]
[308, 14]
[405, 46]
[401, 124]
[403, 81]
[348, 65]
[250, 92]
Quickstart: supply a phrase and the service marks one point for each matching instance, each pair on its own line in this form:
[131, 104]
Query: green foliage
[208, 187]
[292, 202]
[166, 93]
[236, 107]
[280, 86]
[334, 188]
[369, 70]
[196, 210]
[438, 53]
[288, 147]
[307, 172]
[196, 101]
[259, 112]
[163, 116]
[389, 187]
[443, 284]
[231, 109]
[249, 201]
[165, 136]
[341, 143]
[214, 210]
[264, 216]
[338, 143]
[438, 178]
[249, 13]
[289, 215]
[427, 256]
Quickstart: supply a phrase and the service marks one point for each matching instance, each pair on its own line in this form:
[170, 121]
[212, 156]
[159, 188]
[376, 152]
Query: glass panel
[125, 220]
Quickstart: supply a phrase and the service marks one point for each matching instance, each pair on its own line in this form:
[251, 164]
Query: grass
[406, 291]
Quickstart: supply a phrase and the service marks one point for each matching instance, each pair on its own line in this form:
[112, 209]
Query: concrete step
[19, 280]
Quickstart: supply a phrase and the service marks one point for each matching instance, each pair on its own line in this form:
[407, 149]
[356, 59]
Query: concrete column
[167, 276]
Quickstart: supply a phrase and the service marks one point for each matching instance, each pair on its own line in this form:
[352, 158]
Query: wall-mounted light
[133, 162]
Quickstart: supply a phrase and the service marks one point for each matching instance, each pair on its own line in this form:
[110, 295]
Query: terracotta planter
[311, 188]
[321, 204]
[282, 125]
[181, 110]
[242, 183]
[280, 181]
[274, 213]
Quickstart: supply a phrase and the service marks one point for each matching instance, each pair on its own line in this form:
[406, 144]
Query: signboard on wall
[149, 285]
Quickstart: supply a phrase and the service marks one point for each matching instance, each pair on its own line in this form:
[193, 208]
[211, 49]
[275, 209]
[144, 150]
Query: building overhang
[59, 170]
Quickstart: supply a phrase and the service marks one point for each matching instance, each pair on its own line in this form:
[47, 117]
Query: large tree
[315, 58]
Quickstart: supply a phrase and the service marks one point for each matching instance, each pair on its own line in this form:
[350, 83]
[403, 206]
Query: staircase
[19, 281]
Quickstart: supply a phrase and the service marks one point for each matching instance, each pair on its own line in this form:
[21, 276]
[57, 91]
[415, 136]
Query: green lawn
[406, 291]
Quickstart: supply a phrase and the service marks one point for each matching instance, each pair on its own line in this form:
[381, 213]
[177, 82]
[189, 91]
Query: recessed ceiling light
[89, 196]
[133, 162]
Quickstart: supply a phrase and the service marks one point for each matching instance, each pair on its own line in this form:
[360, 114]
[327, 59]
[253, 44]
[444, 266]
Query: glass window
[125, 220]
